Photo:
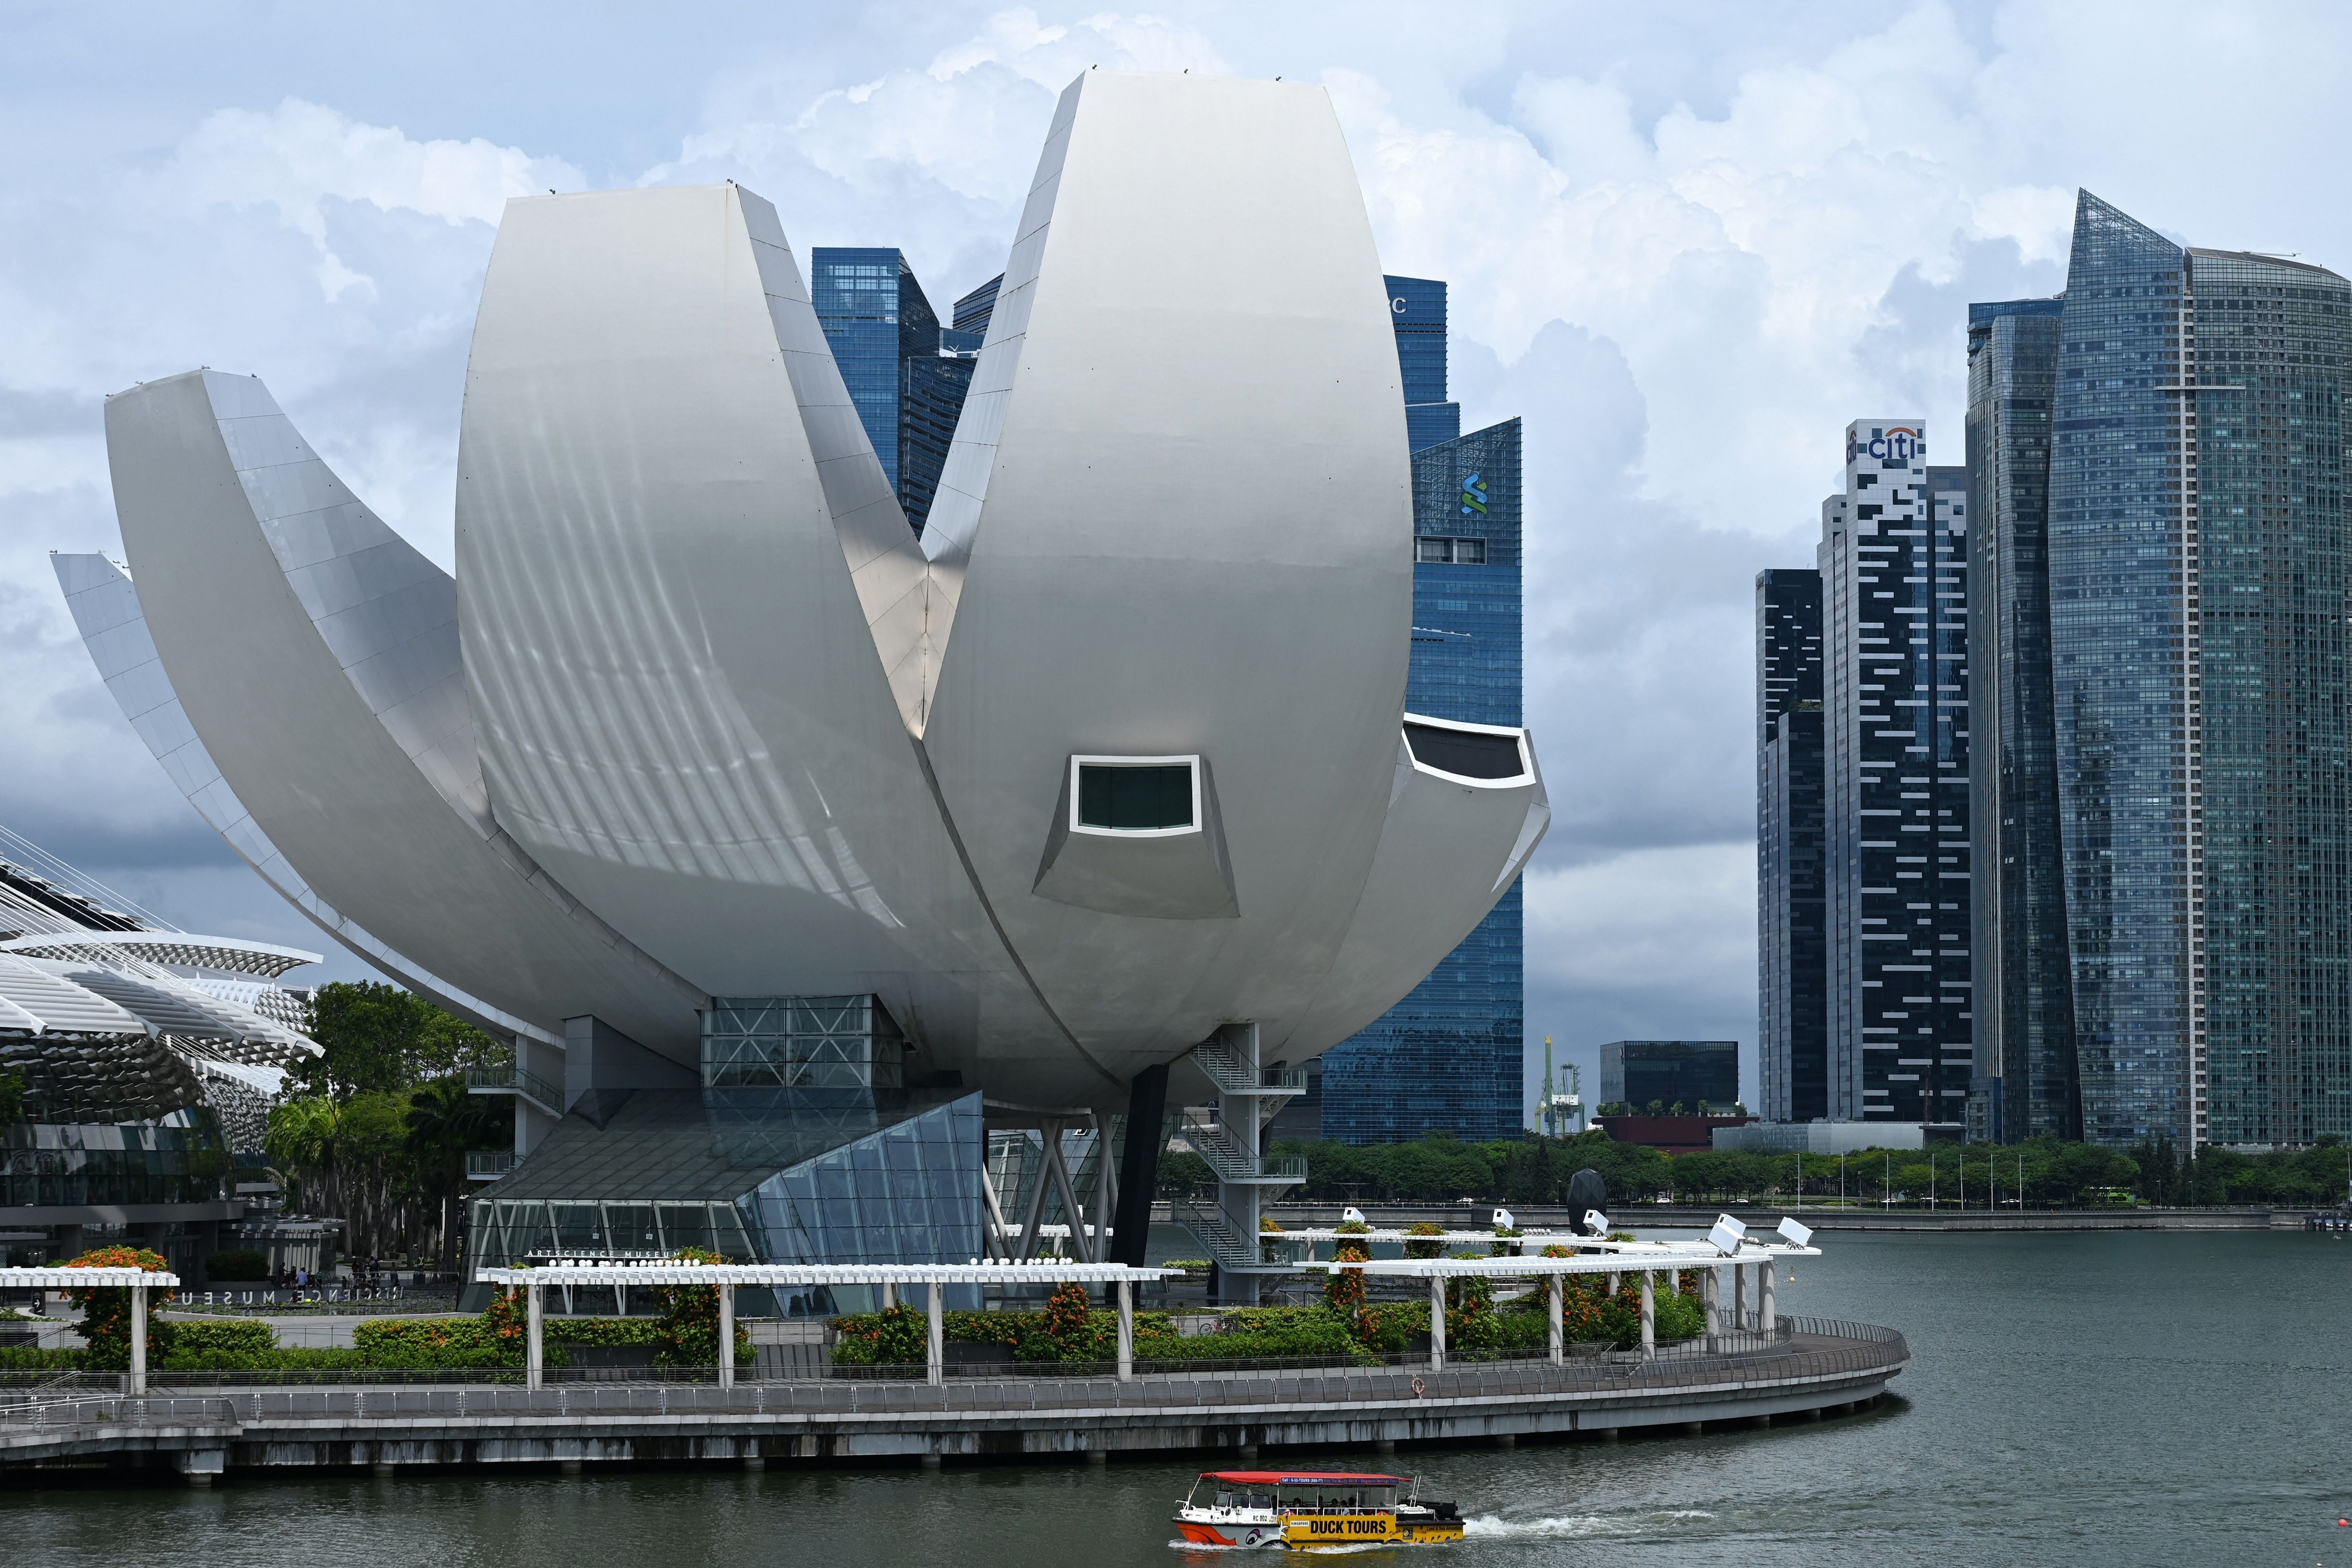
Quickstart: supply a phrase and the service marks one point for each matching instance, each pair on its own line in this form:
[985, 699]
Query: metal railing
[1213, 1230]
[1823, 1352]
[1223, 1157]
[544, 1093]
[488, 1164]
[1232, 1075]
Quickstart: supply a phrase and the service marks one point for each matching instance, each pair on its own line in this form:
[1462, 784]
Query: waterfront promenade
[1811, 1367]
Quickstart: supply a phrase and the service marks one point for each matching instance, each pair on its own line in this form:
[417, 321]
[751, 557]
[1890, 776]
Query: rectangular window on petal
[1135, 797]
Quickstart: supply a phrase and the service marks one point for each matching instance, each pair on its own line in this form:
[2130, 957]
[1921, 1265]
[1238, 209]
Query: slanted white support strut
[936, 1342]
[1437, 1322]
[1125, 1330]
[1649, 1313]
[535, 1351]
[1555, 1288]
[727, 1336]
[139, 1339]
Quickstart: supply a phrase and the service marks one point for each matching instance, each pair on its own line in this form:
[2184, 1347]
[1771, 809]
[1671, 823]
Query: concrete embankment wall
[1821, 1369]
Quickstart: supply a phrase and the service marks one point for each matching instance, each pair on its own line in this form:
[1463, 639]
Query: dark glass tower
[907, 378]
[2025, 1084]
[1792, 955]
[1449, 1056]
[2198, 592]
[1418, 307]
[1894, 566]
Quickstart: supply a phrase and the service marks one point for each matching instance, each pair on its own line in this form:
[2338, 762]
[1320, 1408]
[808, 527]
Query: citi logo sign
[1900, 444]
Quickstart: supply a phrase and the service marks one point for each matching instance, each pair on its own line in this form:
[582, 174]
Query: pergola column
[935, 1371]
[1649, 1314]
[726, 1336]
[1740, 1297]
[1765, 1318]
[1437, 1322]
[139, 1339]
[535, 1347]
[1125, 1330]
[1710, 1300]
[1555, 1288]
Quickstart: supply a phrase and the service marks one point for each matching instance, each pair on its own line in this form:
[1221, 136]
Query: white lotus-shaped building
[1111, 759]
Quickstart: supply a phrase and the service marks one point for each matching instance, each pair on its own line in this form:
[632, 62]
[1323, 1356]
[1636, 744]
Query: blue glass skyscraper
[2025, 1084]
[1449, 1056]
[2199, 571]
[906, 377]
[1417, 306]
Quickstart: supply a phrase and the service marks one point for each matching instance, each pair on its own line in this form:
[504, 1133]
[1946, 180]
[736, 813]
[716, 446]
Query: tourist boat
[1310, 1510]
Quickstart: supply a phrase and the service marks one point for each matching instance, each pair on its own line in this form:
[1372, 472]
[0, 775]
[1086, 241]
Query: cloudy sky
[1688, 242]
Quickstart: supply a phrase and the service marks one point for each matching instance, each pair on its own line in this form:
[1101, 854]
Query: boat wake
[1493, 1527]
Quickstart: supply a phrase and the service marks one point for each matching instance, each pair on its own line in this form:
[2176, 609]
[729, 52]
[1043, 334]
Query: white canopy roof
[184, 949]
[1691, 1254]
[1043, 1272]
[81, 1278]
[54, 1004]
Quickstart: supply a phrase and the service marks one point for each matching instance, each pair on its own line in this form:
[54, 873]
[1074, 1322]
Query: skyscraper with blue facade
[1448, 1056]
[906, 377]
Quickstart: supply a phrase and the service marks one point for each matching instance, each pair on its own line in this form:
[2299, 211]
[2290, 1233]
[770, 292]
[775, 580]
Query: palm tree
[444, 1124]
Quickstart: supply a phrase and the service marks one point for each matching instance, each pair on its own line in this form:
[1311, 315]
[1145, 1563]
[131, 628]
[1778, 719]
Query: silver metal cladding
[1115, 757]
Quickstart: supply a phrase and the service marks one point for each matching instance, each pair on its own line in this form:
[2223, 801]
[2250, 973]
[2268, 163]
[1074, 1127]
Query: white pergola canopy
[83, 1279]
[1038, 1273]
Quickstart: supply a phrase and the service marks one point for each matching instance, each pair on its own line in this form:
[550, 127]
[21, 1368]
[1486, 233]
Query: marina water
[2085, 1399]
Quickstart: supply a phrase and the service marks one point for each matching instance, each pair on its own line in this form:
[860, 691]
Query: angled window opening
[1481, 752]
[1134, 795]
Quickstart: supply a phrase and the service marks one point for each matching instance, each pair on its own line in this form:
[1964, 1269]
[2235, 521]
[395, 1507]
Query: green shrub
[222, 1336]
[423, 1342]
[240, 1265]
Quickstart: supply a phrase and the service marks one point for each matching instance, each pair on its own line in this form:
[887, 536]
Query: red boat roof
[1300, 1478]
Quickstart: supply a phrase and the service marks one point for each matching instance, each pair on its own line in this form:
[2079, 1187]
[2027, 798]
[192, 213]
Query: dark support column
[1138, 1165]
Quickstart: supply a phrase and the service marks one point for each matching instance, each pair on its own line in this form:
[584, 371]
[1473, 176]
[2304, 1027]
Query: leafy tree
[106, 1309]
[444, 1124]
[379, 1037]
[12, 1097]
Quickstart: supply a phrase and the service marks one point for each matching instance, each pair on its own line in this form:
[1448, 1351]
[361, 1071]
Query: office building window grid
[1894, 567]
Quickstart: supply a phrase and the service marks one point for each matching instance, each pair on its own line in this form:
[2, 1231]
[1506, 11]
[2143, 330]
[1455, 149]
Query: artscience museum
[797, 853]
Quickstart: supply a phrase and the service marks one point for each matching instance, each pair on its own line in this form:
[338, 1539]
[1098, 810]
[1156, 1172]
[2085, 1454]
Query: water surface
[2091, 1399]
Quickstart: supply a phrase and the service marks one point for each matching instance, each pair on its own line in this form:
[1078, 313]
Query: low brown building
[1669, 1134]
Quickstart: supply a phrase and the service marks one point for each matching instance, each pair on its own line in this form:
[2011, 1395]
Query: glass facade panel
[177, 1160]
[1689, 1073]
